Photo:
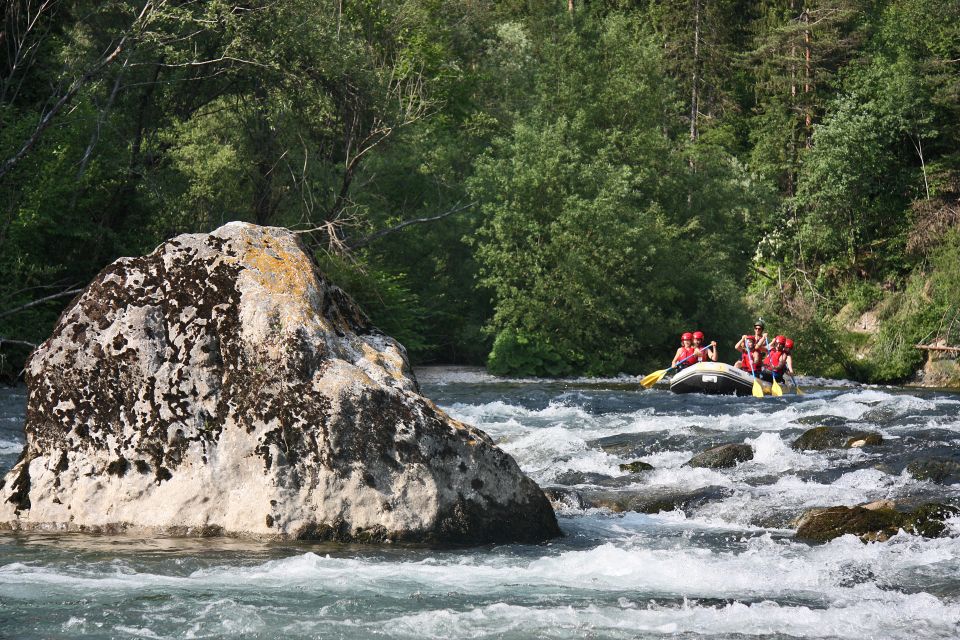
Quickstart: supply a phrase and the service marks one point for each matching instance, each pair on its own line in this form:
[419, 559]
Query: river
[726, 566]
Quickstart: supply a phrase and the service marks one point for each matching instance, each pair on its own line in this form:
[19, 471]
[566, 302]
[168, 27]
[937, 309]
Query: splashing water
[723, 566]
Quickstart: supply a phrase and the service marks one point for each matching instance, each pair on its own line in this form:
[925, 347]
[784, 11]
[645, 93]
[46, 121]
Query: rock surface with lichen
[222, 386]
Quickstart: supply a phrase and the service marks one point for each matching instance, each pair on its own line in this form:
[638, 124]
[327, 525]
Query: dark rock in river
[222, 386]
[582, 477]
[880, 415]
[874, 522]
[636, 466]
[726, 455]
[821, 525]
[652, 500]
[822, 421]
[820, 438]
[939, 470]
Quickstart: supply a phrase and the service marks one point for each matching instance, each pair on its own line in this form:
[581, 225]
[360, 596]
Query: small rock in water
[821, 421]
[939, 470]
[880, 415]
[636, 467]
[820, 438]
[821, 525]
[724, 456]
[221, 385]
[581, 477]
[653, 500]
[874, 522]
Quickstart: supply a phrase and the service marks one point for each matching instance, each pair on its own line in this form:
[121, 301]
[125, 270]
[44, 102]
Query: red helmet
[698, 335]
[788, 344]
[780, 339]
[687, 336]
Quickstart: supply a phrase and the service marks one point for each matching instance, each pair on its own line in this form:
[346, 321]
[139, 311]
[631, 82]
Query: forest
[542, 187]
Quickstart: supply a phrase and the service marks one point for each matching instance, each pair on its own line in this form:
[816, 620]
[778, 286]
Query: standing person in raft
[703, 353]
[752, 347]
[775, 362]
[684, 352]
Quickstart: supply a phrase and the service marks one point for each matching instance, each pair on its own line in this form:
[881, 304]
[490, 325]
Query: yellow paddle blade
[775, 389]
[796, 387]
[653, 378]
[757, 389]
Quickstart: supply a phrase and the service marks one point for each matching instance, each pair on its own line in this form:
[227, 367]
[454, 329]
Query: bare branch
[19, 343]
[39, 301]
[362, 242]
[47, 119]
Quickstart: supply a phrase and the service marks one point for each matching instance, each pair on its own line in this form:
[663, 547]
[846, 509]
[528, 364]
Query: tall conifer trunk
[694, 91]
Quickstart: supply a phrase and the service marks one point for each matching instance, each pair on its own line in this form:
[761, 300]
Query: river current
[724, 566]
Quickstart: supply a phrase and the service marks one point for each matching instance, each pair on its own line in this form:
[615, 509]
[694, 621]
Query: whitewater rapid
[727, 567]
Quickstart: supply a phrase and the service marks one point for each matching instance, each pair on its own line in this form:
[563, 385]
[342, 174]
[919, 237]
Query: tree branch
[364, 241]
[21, 343]
[65, 99]
[34, 303]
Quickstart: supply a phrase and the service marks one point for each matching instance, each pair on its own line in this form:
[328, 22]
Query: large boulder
[222, 386]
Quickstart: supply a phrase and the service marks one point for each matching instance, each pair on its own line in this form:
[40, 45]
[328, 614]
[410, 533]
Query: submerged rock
[724, 456]
[939, 470]
[653, 499]
[820, 438]
[821, 421]
[222, 386]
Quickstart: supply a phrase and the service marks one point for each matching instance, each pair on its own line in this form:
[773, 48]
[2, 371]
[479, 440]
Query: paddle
[757, 389]
[774, 386]
[795, 385]
[654, 378]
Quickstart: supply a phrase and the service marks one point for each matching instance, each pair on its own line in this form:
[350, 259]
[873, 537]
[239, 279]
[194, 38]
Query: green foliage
[629, 185]
[385, 297]
[514, 353]
[593, 217]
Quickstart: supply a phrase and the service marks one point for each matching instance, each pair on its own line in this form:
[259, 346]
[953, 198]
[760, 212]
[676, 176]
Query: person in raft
[703, 353]
[775, 361]
[788, 355]
[752, 348]
[682, 358]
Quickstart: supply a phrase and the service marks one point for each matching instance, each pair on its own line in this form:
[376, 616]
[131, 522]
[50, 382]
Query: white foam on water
[773, 455]
[917, 616]
[792, 495]
[10, 446]
[842, 588]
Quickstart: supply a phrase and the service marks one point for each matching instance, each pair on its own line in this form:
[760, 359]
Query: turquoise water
[725, 567]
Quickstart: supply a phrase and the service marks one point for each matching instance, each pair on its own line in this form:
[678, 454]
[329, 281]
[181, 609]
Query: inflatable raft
[716, 377]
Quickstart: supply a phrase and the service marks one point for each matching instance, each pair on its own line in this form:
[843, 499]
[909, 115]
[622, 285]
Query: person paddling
[748, 352]
[775, 361]
[788, 355]
[704, 353]
[682, 358]
[754, 345]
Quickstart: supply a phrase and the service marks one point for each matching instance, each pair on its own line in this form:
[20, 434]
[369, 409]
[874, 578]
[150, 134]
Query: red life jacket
[773, 359]
[685, 352]
[745, 361]
[704, 355]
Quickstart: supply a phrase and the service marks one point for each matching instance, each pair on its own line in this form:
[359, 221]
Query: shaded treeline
[560, 186]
